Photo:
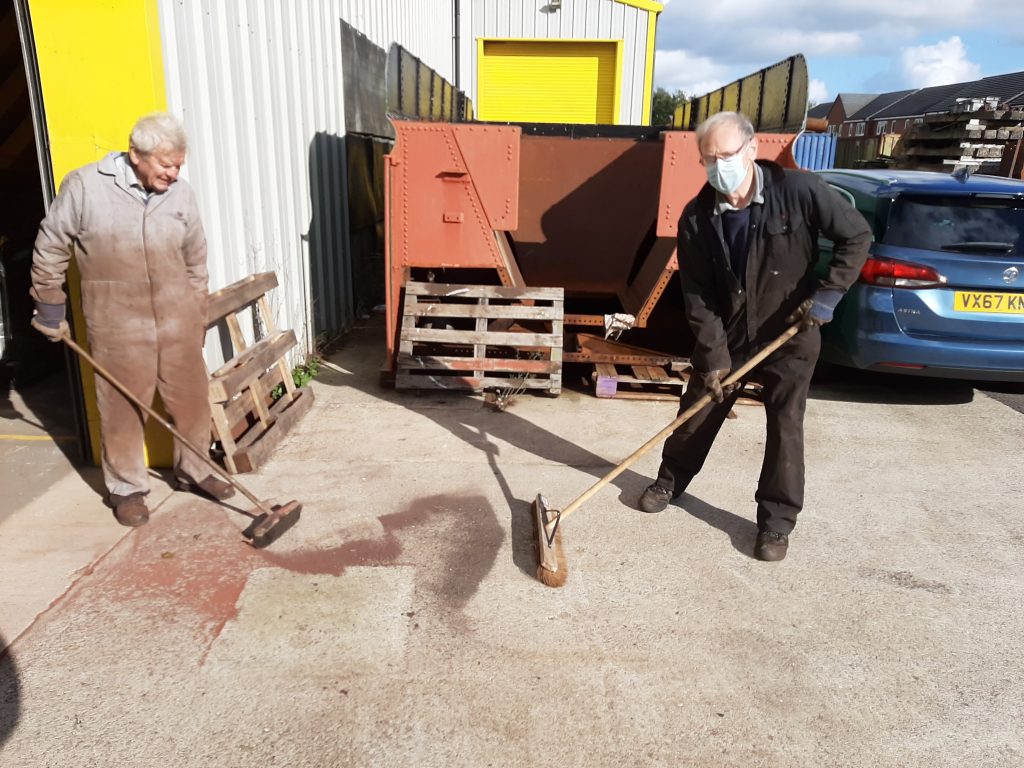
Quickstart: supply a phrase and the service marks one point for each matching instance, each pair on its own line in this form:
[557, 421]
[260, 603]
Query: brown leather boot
[130, 510]
[210, 487]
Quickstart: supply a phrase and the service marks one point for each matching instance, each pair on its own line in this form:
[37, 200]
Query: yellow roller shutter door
[548, 81]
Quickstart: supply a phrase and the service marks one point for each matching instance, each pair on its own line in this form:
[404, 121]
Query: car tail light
[899, 274]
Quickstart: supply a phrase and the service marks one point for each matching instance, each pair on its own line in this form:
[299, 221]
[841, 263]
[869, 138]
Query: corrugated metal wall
[259, 86]
[577, 19]
[815, 151]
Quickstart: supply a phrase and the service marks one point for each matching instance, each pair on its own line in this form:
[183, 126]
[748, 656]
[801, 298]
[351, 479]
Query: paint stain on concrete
[452, 542]
[189, 557]
[192, 557]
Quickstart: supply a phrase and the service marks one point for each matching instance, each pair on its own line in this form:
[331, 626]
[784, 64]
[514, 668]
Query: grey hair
[736, 119]
[155, 130]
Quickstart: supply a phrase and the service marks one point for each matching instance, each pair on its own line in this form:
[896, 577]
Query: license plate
[974, 301]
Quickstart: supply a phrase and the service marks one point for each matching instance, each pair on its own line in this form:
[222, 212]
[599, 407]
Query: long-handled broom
[268, 523]
[552, 569]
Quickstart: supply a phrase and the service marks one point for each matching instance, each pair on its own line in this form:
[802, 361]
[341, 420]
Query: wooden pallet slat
[450, 290]
[239, 372]
[491, 311]
[475, 337]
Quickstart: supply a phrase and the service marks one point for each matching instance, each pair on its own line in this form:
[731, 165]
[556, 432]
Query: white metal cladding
[576, 20]
[259, 86]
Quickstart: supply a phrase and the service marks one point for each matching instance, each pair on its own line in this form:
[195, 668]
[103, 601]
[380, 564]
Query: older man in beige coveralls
[134, 228]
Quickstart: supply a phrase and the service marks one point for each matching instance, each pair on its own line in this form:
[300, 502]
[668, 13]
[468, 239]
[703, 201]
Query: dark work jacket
[730, 321]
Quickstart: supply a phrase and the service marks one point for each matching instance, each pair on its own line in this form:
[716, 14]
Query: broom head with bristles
[268, 527]
[551, 566]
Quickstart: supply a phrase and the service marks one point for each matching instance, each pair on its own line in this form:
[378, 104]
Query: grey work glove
[817, 310]
[712, 381]
[49, 321]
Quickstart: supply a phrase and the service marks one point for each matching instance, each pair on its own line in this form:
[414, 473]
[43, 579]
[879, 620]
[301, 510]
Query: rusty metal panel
[453, 184]
[586, 207]
[492, 156]
[682, 175]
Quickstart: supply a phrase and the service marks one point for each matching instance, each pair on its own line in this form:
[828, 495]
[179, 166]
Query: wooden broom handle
[732, 378]
[166, 424]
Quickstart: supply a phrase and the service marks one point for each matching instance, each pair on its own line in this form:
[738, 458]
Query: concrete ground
[399, 623]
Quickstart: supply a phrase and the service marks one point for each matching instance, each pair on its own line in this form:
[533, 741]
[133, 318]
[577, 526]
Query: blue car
[942, 293]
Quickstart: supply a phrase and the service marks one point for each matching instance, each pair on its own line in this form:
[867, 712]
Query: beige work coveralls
[144, 293]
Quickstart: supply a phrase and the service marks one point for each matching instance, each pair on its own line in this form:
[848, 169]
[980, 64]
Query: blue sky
[854, 46]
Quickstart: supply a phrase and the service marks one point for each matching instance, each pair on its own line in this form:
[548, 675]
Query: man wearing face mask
[748, 244]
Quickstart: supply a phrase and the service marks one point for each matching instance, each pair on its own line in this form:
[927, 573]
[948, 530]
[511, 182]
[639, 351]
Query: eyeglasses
[708, 159]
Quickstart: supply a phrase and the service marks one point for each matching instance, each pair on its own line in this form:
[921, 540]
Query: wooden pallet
[652, 382]
[638, 382]
[247, 420]
[477, 337]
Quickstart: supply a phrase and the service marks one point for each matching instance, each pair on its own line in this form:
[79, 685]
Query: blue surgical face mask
[727, 174]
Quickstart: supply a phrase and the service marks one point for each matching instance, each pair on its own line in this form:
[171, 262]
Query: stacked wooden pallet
[478, 337]
[975, 138]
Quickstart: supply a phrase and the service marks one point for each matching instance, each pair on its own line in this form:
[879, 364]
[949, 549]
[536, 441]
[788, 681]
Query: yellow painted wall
[101, 68]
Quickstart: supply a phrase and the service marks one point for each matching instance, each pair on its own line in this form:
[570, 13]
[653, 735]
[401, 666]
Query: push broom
[552, 569]
[268, 523]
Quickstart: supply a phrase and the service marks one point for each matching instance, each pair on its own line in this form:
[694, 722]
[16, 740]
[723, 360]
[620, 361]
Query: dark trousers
[786, 378]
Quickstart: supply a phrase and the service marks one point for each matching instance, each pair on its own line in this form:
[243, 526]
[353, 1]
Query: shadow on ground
[741, 532]
[483, 427]
[10, 694]
[834, 383]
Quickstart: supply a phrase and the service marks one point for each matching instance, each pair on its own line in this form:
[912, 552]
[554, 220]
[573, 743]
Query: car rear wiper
[979, 246]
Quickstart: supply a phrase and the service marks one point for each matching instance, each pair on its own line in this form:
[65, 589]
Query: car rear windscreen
[987, 225]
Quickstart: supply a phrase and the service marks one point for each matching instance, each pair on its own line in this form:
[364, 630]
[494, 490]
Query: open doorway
[39, 435]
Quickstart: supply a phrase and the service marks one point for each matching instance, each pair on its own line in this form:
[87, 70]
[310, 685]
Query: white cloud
[740, 37]
[817, 92]
[695, 75]
[785, 42]
[939, 64]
